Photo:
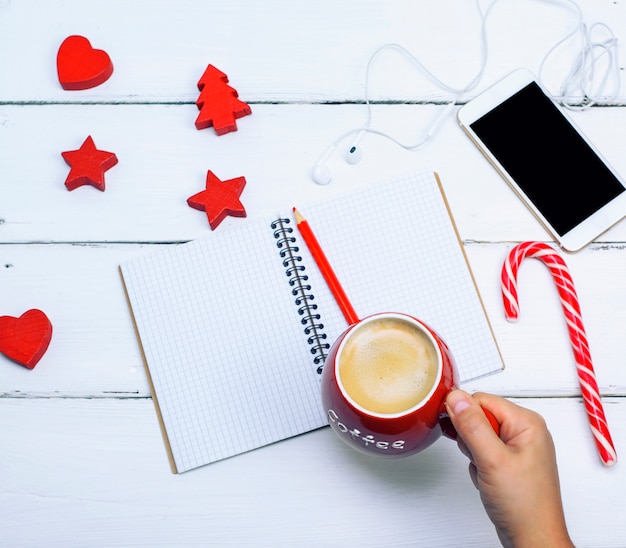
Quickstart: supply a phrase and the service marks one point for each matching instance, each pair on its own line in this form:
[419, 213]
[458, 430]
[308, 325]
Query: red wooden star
[88, 165]
[221, 198]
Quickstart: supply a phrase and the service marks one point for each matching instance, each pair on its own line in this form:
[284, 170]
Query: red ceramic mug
[384, 385]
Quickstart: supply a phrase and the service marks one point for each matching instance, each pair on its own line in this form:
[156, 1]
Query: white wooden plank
[93, 472]
[160, 49]
[536, 349]
[94, 352]
[163, 160]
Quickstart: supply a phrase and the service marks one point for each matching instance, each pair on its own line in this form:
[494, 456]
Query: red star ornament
[88, 165]
[220, 199]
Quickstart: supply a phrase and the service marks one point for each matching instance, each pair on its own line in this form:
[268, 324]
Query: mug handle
[450, 432]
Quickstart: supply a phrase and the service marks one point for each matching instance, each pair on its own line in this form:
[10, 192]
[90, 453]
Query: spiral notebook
[233, 354]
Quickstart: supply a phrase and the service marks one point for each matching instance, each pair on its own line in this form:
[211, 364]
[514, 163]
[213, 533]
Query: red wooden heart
[25, 339]
[79, 66]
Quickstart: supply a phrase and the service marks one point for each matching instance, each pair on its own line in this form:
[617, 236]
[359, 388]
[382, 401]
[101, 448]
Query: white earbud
[354, 154]
[320, 172]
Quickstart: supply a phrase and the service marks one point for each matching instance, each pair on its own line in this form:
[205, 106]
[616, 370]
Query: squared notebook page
[223, 342]
[394, 248]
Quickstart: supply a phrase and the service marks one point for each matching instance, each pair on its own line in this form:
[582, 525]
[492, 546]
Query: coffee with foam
[388, 365]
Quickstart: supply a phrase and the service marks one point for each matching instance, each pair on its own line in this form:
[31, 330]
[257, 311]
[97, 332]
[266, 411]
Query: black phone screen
[548, 159]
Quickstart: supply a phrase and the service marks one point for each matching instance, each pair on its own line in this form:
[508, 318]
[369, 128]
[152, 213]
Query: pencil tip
[299, 218]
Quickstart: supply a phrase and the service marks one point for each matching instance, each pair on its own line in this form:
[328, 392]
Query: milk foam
[388, 365]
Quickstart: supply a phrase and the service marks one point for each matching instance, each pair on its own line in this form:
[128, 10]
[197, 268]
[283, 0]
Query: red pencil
[325, 268]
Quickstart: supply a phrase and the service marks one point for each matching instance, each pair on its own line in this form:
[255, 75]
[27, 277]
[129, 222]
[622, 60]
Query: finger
[513, 419]
[473, 472]
[472, 426]
[463, 448]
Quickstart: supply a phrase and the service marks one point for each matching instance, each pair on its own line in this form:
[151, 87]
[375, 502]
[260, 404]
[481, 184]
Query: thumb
[473, 427]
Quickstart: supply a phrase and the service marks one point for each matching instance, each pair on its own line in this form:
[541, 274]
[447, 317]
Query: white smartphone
[548, 162]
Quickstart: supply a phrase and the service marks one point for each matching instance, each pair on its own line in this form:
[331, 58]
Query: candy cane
[578, 338]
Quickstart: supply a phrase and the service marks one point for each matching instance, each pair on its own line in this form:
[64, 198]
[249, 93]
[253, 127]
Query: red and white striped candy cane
[578, 338]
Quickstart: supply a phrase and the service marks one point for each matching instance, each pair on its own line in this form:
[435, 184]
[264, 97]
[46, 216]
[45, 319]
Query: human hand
[516, 473]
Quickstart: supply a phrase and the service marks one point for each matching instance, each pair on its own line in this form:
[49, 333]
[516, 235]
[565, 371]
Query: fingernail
[457, 402]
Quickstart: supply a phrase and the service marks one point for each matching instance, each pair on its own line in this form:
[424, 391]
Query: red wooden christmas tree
[218, 103]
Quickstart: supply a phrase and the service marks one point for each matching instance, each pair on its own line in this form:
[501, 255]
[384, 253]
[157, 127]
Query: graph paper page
[394, 247]
[224, 345]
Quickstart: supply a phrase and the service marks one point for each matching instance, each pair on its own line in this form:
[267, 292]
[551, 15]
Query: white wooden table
[82, 461]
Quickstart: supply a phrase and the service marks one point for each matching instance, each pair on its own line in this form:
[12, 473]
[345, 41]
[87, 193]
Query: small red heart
[80, 66]
[25, 339]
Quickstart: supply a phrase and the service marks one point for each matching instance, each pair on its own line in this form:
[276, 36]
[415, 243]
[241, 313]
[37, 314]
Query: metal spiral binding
[303, 298]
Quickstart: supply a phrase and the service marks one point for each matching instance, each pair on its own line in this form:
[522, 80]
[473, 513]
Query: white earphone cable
[577, 91]
[432, 129]
[579, 82]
